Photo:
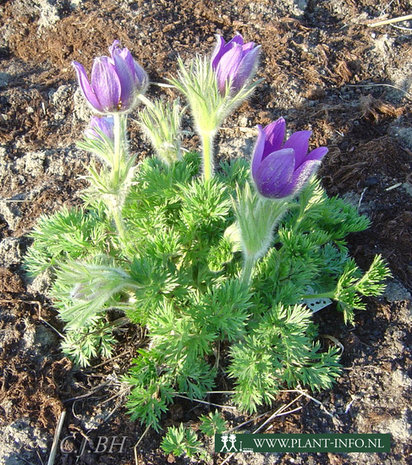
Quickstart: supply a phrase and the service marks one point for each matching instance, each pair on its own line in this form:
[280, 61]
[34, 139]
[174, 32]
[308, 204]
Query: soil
[324, 69]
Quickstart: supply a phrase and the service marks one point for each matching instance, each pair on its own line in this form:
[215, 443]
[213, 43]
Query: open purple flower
[280, 170]
[115, 81]
[234, 62]
[100, 125]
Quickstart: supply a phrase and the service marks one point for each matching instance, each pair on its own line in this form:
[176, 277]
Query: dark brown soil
[323, 69]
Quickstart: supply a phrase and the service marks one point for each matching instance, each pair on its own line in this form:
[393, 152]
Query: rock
[371, 181]
[408, 188]
[31, 164]
[19, 441]
[49, 12]
[81, 111]
[10, 253]
[40, 284]
[45, 340]
[403, 134]
[4, 79]
[301, 5]
[11, 213]
[59, 161]
[61, 99]
[395, 291]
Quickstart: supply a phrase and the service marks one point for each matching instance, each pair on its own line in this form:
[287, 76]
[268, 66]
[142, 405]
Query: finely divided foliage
[216, 271]
[162, 279]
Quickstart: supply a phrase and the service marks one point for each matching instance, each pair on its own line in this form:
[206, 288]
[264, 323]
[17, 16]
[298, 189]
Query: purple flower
[234, 62]
[280, 170]
[115, 81]
[100, 125]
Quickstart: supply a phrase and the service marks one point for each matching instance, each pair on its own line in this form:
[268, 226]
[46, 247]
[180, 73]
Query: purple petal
[218, 51]
[273, 176]
[90, 131]
[85, 86]
[100, 125]
[115, 45]
[106, 84]
[126, 56]
[123, 52]
[238, 39]
[258, 150]
[125, 73]
[274, 134]
[317, 154]
[106, 125]
[228, 66]
[246, 68]
[303, 173]
[139, 74]
[299, 141]
[227, 47]
[141, 77]
[247, 47]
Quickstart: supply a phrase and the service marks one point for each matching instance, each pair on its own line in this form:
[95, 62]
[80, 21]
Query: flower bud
[281, 169]
[234, 62]
[115, 81]
[100, 126]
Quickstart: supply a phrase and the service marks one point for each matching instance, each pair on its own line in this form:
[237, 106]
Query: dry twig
[56, 438]
[391, 21]
[138, 442]
[206, 402]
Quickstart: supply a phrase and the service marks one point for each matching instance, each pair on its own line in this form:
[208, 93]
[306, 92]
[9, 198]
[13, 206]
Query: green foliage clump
[93, 340]
[280, 351]
[212, 424]
[177, 270]
[181, 441]
[68, 234]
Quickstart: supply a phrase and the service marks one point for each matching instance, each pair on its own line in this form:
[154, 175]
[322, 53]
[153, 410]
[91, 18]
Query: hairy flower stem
[119, 144]
[256, 218]
[117, 133]
[118, 220]
[207, 148]
[248, 266]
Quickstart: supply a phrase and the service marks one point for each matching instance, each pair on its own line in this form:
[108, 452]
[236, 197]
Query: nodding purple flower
[100, 125]
[234, 62]
[115, 81]
[282, 169]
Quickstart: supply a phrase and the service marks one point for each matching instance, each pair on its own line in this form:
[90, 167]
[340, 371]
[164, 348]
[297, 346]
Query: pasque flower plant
[157, 245]
[279, 172]
[113, 91]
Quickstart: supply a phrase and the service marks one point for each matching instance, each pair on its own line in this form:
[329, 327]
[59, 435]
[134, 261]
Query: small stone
[10, 253]
[81, 111]
[11, 214]
[41, 283]
[243, 121]
[315, 93]
[31, 164]
[371, 181]
[61, 99]
[4, 79]
[407, 217]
